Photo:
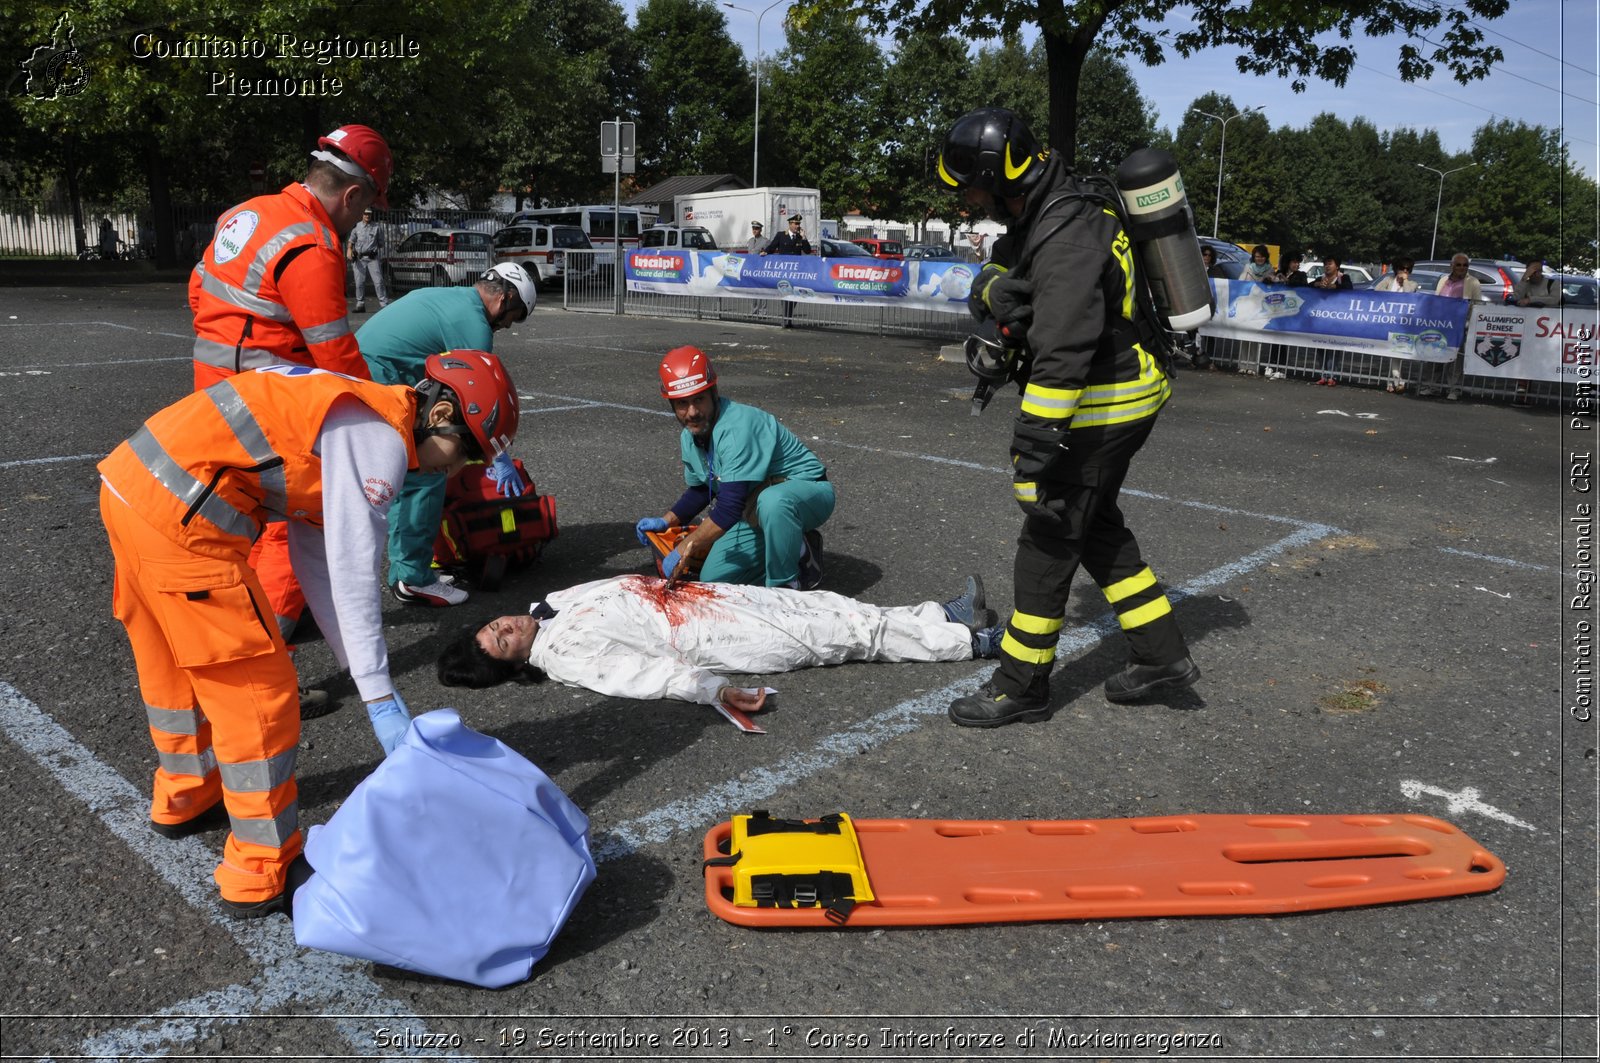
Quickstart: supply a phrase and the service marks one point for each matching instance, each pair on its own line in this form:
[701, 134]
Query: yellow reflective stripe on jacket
[1025, 491]
[1121, 402]
[1122, 249]
[1052, 404]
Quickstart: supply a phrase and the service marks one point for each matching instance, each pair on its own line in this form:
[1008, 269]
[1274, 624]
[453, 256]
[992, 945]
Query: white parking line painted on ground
[1466, 799]
[1496, 560]
[289, 973]
[748, 789]
[20, 462]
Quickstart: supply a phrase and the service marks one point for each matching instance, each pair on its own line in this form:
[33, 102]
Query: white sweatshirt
[628, 637]
[363, 465]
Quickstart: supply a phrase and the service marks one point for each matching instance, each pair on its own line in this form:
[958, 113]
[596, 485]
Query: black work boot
[1139, 681]
[991, 708]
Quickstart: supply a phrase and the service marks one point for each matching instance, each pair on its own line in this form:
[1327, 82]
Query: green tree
[923, 93]
[696, 97]
[1522, 198]
[1271, 36]
[1115, 120]
[822, 116]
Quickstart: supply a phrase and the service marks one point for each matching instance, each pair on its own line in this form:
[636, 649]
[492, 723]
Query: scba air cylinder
[1163, 230]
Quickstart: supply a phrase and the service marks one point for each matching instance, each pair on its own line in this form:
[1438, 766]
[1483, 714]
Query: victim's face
[508, 638]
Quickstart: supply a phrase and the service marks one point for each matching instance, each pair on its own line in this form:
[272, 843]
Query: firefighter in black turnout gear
[1063, 278]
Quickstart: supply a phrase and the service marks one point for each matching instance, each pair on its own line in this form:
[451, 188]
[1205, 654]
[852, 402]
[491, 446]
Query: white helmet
[526, 290]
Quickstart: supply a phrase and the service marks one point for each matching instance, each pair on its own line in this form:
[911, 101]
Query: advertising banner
[1531, 343]
[926, 285]
[1413, 325]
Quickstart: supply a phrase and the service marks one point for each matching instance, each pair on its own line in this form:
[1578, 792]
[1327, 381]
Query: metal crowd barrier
[1292, 363]
[588, 289]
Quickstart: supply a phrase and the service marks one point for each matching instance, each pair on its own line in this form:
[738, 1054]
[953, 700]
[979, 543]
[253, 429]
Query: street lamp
[1216, 212]
[1439, 201]
[755, 138]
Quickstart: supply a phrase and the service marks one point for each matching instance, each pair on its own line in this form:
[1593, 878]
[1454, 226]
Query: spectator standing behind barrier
[1536, 288]
[791, 242]
[1397, 280]
[396, 343]
[1259, 268]
[369, 246]
[1062, 278]
[269, 290]
[1457, 284]
[1333, 278]
[1289, 272]
[757, 246]
[767, 492]
[977, 249]
[1214, 269]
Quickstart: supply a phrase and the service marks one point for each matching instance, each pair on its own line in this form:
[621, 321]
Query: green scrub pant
[413, 525]
[771, 554]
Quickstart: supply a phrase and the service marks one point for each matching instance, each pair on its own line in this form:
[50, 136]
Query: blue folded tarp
[456, 858]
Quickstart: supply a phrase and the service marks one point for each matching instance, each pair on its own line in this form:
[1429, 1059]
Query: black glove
[1011, 301]
[1035, 452]
[1006, 298]
[977, 305]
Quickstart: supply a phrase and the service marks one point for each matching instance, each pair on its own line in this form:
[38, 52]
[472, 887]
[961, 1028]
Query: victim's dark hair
[463, 663]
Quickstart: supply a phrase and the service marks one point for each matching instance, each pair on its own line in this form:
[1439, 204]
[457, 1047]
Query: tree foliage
[696, 96]
[1270, 36]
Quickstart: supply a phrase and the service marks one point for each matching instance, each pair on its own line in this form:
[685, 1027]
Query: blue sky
[1548, 78]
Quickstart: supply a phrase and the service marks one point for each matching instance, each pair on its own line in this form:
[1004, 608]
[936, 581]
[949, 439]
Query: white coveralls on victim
[625, 637]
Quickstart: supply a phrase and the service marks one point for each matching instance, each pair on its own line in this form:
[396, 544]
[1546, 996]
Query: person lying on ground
[648, 638]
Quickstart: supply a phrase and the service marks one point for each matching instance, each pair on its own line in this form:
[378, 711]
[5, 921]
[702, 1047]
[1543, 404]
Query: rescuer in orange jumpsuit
[184, 498]
[269, 290]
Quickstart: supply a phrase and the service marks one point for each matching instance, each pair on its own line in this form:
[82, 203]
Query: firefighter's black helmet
[992, 149]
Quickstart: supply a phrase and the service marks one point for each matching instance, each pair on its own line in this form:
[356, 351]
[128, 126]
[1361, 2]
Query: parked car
[1578, 290]
[685, 237]
[929, 251]
[439, 258]
[841, 249]
[1497, 276]
[542, 248]
[1230, 257]
[881, 248]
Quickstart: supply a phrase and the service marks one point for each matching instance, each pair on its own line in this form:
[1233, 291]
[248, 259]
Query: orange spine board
[930, 872]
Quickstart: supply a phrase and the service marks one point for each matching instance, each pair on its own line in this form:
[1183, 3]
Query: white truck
[728, 214]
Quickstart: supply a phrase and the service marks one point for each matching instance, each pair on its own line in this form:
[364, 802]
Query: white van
[684, 237]
[540, 249]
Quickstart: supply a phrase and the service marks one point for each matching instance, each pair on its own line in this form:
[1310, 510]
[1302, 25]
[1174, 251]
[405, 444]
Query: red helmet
[367, 150]
[488, 399]
[686, 371]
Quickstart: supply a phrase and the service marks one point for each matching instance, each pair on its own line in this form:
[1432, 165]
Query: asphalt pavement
[1376, 587]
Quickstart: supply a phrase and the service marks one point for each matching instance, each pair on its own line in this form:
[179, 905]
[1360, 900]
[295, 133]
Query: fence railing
[588, 288]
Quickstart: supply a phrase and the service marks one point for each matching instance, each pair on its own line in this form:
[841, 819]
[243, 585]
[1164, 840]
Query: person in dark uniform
[1063, 278]
[790, 242]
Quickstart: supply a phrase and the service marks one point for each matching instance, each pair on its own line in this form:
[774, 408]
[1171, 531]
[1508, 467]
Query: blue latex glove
[670, 563]
[649, 524]
[390, 718]
[506, 477]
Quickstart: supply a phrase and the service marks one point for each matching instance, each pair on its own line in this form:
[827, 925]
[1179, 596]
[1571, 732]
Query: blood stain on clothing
[678, 603]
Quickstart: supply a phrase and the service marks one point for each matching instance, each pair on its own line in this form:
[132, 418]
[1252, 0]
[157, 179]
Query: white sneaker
[438, 594]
